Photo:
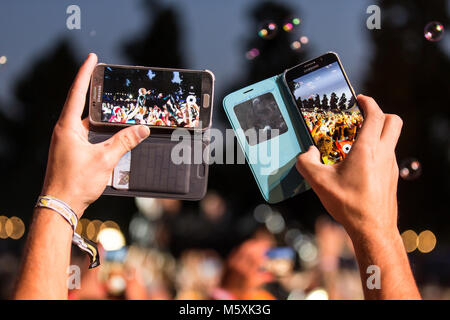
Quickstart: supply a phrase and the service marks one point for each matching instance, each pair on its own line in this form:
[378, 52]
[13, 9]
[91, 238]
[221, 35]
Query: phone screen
[152, 97]
[329, 109]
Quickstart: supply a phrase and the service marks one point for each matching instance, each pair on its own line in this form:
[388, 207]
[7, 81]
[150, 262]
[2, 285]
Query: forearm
[46, 259]
[385, 250]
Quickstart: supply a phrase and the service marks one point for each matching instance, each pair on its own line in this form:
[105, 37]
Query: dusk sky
[214, 33]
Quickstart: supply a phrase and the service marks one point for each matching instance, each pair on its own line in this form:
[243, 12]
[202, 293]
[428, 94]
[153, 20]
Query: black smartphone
[158, 97]
[327, 104]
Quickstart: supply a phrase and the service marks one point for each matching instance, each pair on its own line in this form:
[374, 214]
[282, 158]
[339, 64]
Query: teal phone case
[275, 171]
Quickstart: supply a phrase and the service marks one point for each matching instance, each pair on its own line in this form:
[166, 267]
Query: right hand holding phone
[361, 191]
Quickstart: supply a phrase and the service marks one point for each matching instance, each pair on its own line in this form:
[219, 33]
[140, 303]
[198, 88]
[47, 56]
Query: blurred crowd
[174, 252]
[333, 132]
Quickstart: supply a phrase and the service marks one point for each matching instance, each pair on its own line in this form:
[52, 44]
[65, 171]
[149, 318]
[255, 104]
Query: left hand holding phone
[78, 171]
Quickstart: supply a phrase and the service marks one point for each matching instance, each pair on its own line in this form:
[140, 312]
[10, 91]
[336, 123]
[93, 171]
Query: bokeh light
[82, 226]
[16, 228]
[275, 223]
[3, 234]
[291, 235]
[252, 54]
[288, 27]
[150, 207]
[296, 21]
[268, 30]
[296, 294]
[111, 239]
[13, 228]
[410, 240]
[92, 229]
[410, 169]
[3, 59]
[307, 251]
[433, 31]
[304, 39]
[262, 212]
[317, 294]
[426, 241]
[109, 224]
[141, 230]
[296, 45]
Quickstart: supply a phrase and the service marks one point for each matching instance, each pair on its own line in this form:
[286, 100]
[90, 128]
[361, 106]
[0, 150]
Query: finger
[391, 130]
[310, 166]
[373, 121]
[85, 127]
[85, 123]
[124, 141]
[76, 98]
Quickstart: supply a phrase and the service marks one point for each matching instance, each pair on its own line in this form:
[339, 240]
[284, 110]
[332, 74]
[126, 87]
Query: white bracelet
[67, 213]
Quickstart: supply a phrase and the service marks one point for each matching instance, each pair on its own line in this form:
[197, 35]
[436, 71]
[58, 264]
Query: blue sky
[323, 81]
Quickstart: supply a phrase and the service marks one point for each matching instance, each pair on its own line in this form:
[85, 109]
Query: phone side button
[206, 98]
[201, 170]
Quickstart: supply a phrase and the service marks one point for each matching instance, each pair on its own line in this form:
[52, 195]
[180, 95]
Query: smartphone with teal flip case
[263, 106]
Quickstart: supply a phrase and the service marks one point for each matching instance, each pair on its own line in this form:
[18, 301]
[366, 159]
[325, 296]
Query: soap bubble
[410, 169]
[268, 30]
[434, 31]
[252, 54]
[296, 45]
[288, 26]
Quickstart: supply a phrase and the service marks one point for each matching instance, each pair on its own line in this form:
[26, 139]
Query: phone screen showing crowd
[330, 110]
[152, 97]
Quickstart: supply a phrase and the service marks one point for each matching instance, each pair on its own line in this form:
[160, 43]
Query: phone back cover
[272, 161]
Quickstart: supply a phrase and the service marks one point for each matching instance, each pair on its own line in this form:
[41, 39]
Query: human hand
[361, 191]
[78, 171]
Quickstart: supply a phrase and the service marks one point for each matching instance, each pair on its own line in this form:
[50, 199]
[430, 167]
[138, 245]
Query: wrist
[72, 201]
[375, 238]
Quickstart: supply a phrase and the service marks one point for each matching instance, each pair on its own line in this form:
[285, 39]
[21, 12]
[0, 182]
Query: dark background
[404, 72]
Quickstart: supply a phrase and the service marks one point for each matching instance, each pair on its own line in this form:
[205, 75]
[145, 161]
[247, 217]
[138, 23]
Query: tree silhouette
[41, 93]
[317, 103]
[325, 102]
[351, 102]
[160, 44]
[408, 76]
[342, 101]
[333, 100]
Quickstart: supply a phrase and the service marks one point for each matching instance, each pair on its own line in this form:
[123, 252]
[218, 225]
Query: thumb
[309, 164]
[125, 140]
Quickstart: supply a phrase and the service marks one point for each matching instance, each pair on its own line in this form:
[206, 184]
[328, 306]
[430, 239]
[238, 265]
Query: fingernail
[143, 132]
